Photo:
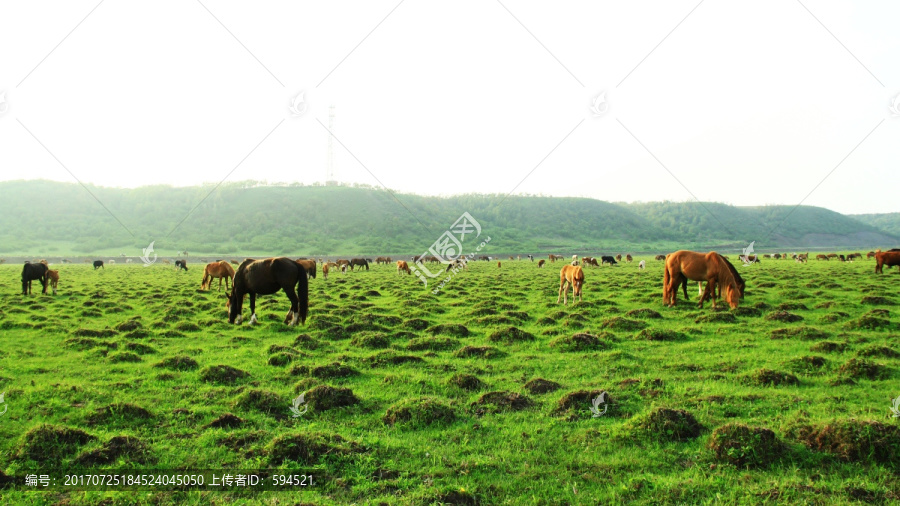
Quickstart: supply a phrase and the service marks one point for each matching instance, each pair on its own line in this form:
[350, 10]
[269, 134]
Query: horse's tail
[303, 294]
[666, 277]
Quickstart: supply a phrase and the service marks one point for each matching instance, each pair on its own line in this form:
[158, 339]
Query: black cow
[98, 264]
[607, 260]
[181, 264]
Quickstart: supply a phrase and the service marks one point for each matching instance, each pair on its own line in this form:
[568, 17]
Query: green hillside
[888, 222]
[50, 218]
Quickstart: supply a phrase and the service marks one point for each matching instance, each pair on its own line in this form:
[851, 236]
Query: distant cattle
[607, 260]
[589, 261]
[541, 263]
[659, 257]
[98, 264]
[325, 270]
[619, 257]
[642, 264]
[402, 267]
[181, 264]
[361, 262]
[628, 258]
[309, 266]
[821, 257]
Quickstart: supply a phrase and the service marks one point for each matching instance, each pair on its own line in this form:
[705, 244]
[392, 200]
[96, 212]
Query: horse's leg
[559, 294]
[253, 308]
[295, 306]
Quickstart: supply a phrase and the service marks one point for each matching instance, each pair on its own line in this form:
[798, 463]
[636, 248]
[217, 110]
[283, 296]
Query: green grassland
[480, 394]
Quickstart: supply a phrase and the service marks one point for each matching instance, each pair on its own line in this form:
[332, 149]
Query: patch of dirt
[541, 386]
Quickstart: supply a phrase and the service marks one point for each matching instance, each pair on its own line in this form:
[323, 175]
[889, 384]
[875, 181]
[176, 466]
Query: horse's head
[233, 306]
[732, 295]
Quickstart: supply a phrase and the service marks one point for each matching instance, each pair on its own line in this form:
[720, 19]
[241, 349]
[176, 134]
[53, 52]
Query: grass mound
[664, 424]
[449, 329]
[717, 317]
[808, 365]
[510, 335]
[502, 401]
[828, 347]
[868, 322]
[226, 421]
[387, 358]
[654, 334]
[783, 316]
[371, 340]
[744, 446]
[791, 306]
[420, 411]
[582, 342]
[307, 449]
[431, 343]
[803, 332]
[416, 324]
[621, 323]
[263, 401]
[140, 349]
[222, 374]
[465, 382]
[324, 397]
[117, 449]
[877, 351]
[487, 352]
[578, 401]
[121, 411]
[281, 359]
[769, 377]
[178, 363]
[852, 440]
[747, 311]
[51, 443]
[124, 356]
[94, 333]
[877, 301]
[128, 326]
[859, 368]
[306, 342]
[333, 370]
[644, 313]
[541, 386]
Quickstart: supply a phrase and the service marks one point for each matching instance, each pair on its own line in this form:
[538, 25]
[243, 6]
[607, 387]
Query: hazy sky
[747, 103]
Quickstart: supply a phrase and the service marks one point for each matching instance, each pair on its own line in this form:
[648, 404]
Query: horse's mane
[728, 275]
[734, 271]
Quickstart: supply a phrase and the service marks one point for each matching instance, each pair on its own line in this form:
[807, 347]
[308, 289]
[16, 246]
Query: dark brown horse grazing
[221, 270]
[266, 277]
[361, 262]
[309, 265]
[889, 258]
[709, 267]
[31, 272]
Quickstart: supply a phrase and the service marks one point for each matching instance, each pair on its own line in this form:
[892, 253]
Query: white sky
[747, 103]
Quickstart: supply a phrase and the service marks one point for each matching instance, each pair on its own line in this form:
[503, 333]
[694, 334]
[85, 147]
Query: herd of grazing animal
[268, 276]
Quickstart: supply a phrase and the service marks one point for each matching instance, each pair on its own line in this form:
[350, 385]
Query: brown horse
[221, 270]
[889, 258]
[266, 277]
[309, 265]
[709, 267]
[402, 266]
[570, 275]
[541, 263]
[325, 270]
[53, 278]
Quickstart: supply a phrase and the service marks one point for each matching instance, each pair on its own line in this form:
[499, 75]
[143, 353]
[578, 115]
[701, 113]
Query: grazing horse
[642, 264]
[220, 269]
[325, 270]
[361, 262]
[181, 264]
[889, 258]
[266, 277]
[32, 271]
[541, 263]
[402, 267]
[619, 257]
[628, 257]
[870, 255]
[570, 275]
[53, 278]
[659, 257]
[309, 265]
[98, 264]
[709, 267]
